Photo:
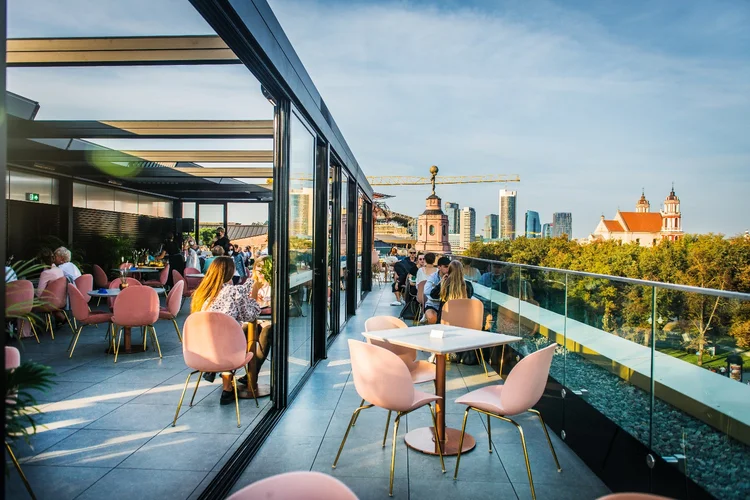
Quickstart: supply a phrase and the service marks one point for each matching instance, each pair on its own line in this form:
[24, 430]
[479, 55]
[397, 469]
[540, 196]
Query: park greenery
[697, 321]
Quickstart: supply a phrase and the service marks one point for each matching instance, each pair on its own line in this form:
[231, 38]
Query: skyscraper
[301, 212]
[547, 230]
[533, 224]
[491, 230]
[454, 217]
[468, 226]
[562, 224]
[507, 214]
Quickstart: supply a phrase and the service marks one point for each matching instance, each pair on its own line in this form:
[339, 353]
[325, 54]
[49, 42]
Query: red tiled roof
[646, 222]
[613, 226]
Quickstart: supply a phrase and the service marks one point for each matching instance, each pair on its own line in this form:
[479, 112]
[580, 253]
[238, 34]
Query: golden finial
[433, 172]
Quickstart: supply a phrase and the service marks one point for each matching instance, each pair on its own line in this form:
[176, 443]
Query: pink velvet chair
[116, 284]
[192, 283]
[296, 485]
[19, 301]
[85, 284]
[466, 313]
[174, 302]
[632, 496]
[12, 358]
[522, 389]
[176, 278]
[382, 379]
[84, 316]
[161, 281]
[214, 342]
[54, 299]
[100, 277]
[13, 361]
[136, 306]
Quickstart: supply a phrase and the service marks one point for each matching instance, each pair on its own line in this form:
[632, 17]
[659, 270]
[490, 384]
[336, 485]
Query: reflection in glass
[343, 245]
[360, 233]
[330, 312]
[301, 224]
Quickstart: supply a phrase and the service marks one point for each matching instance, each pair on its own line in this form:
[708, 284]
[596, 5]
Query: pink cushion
[97, 317]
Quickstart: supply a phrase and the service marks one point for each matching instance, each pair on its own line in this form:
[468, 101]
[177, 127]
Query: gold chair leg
[33, 328]
[348, 428]
[50, 326]
[67, 318]
[177, 329]
[75, 340]
[525, 456]
[549, 441]
[144, 334]
[236, 399]
[20, 471]
[179, 405]
[195, 391]
[247, 373]
[461, 442]
[156, 339]
[439, 444]
[362, 403]
[393, 451]
[117, 346]
[489, 432]
[481, 356]
[387, 423]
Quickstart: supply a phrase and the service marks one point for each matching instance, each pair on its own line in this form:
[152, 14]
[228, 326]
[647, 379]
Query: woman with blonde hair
[217, 294]
[452, 286]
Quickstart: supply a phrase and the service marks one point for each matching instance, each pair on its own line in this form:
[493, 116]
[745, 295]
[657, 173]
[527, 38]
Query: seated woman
[47, 258]
[263, 293]
[216, 293]
[451, 286]
[216, 251]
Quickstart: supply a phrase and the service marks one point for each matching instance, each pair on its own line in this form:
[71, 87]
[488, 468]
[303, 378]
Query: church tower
[432, 225]
[643, 206]
[671, 224]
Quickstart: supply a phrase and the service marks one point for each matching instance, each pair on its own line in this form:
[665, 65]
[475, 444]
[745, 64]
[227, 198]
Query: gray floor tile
[447, 489]
[215, 418]
[368, 488]
[304, 422]
[285, 454]
[360, 458]
[107, 392]
[136, 417]
[60, 391]
[54, 483]
[40, 441]
[126, 484]
[93, 448]
[73, 414]
[87, 374]
[181, 451]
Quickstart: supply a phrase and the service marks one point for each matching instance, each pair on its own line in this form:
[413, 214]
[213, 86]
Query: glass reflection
[343, 245]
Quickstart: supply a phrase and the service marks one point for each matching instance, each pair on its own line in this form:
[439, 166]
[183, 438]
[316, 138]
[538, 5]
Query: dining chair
[19, 301]
[84, 316]
[174, 303]
[421, 297]
[85, 283]
[116, 284]
[214, 342]
[177, 277]
[54, 299]
[421, 371]
[13, 361]
[381, 378]
[192, 283]
[521, 391]
[161, 281]
[466, 313]
[632, 496]
[136, 306]
[100, 277]
[295, 485]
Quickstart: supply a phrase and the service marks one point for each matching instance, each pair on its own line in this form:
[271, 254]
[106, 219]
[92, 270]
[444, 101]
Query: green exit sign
[32, 196]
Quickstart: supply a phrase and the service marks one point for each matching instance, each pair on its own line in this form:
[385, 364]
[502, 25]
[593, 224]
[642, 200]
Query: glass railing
[668, 364]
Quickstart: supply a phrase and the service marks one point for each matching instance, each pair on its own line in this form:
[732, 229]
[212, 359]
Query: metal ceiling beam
[93, 156]
[118, 51]
[155, 129]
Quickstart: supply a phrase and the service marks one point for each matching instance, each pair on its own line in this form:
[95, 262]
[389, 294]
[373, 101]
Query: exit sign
[32, 196]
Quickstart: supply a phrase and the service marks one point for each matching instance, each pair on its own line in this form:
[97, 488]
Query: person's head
[496, 269]
[429, 258]
[412, 254]
[454, 286]
[218, 273]
[258, 270]
[420, 260]
[217, 251]
[46, 257]
[170, 236]
[220, 232]
[62, 255]
[443, 263]
[191, 243]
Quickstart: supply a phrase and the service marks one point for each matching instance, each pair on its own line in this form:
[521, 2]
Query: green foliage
[207, 235]
[113, 248]
[20, 406]
[267, 270]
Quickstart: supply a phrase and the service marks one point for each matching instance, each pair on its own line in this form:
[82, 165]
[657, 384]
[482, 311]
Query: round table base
[422, 440]
[262, 390]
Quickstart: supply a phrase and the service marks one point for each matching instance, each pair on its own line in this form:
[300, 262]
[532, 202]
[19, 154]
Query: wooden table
[456, 339]
[114, 292]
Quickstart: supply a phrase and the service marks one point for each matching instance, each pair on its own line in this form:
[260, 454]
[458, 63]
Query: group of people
[444, 280]
[58, 265]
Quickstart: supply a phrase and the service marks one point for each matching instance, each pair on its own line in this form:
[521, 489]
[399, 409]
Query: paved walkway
[309, 435]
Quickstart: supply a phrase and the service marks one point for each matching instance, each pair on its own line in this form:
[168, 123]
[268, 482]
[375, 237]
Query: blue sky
[587, 101]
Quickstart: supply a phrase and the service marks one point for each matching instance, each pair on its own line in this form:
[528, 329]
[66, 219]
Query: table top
[195, 275]
[456, 339]
[113, 292]
[141, 270]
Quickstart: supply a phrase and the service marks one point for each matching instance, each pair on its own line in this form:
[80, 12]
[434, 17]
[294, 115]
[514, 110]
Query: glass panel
[331, 316]
[702, 397]
[126, 202]
[188, 210]
[343, 248]
[147, 206]
[100, 198]
[79, 195]
[210, 217]
[301, 223]
[360, 233]
[22, 184]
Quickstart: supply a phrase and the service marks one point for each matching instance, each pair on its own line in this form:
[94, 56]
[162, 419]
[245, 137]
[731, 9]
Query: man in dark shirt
[222, 240]
[403, 268]
[172, 253]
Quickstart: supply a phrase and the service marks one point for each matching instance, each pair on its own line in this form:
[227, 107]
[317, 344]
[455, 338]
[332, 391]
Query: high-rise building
[301, 212]
[533, 225]
[507, 214]
[562, 224]
[491, 229]
[454, 217]
[468, 226]
[546, 230]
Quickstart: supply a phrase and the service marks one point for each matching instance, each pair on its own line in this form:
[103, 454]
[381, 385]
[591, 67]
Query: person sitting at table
[263, 295]
[428, 269]
[216, 294]
[53, 272]
[191, 255]
[452, 285]
[62, 260]
[216, 251]
[239, 263]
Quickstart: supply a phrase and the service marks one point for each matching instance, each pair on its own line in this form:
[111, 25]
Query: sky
[588, 101]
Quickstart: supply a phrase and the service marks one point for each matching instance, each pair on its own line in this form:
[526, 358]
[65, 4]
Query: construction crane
[410, 180]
